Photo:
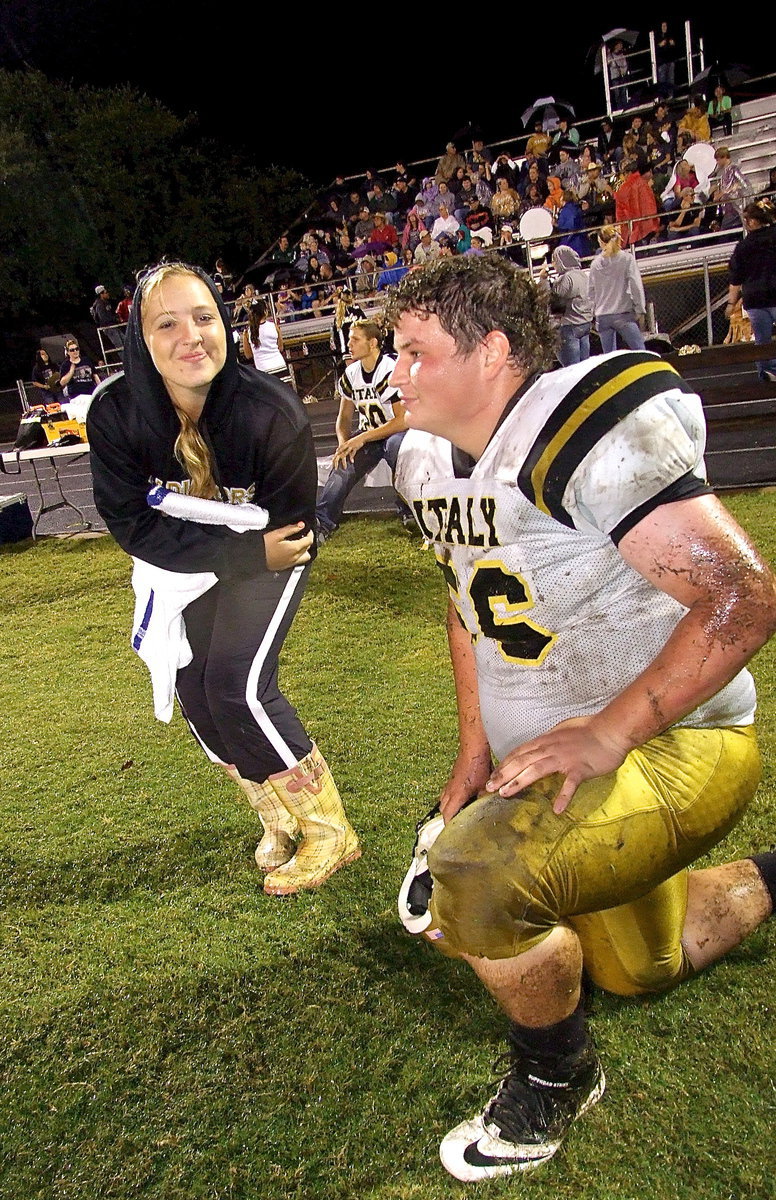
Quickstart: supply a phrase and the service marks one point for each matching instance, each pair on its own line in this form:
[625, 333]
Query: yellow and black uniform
[560, 624]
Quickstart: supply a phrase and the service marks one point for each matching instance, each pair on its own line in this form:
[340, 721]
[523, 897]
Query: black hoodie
[260, 442]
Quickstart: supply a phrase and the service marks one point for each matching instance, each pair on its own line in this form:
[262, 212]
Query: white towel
[158, 629]
[238, 517]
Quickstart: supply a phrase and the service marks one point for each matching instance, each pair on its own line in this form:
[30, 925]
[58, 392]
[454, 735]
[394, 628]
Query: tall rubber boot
[328, 839]
[280, 829]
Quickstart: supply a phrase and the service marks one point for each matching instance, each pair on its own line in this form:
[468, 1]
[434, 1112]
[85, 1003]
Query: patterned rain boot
[328, 839]
[280, 828]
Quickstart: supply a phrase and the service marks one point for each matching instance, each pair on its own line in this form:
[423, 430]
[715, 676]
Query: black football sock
[766, 865]
[560, 1043]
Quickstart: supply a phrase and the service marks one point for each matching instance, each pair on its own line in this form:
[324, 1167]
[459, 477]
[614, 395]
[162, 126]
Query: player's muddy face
[442, 390]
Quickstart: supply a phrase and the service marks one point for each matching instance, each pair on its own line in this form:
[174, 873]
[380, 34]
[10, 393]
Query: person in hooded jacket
[185, 414]
[570, 290]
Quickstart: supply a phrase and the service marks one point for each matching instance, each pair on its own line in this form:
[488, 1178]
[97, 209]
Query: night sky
[330, 92]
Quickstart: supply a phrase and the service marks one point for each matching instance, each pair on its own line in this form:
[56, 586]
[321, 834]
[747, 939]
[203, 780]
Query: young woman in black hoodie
[185, 414]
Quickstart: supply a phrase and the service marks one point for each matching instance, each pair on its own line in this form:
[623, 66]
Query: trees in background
[97, 182]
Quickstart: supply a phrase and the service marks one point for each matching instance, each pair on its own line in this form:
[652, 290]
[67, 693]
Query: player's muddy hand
[284, 547]
[468, 777]
[582, 748]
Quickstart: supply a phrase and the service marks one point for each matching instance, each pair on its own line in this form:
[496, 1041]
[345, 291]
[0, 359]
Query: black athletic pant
[229, 692]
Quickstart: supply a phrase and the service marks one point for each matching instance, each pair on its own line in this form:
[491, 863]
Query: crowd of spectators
[367, 234]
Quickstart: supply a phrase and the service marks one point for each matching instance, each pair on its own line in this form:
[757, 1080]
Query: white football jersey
[527, 540]
[371, 391]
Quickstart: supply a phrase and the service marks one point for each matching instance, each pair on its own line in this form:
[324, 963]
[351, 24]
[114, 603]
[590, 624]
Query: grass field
[170, 1032]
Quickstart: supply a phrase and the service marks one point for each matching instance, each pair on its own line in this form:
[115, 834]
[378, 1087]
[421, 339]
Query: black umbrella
[547, 106]
[730, 74]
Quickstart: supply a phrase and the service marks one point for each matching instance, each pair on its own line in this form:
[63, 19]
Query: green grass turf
[170, 1032]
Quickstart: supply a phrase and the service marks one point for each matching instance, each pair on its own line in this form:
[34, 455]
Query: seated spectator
[484, 185]
[508, 247]
[393, 271]
[77, 376]
[365, 223]
[427, 249]
[719, 111]
[587, 155]
[505, 203]
[566, 169]
[565, 133]
[445, 224]
[342, 259]
[533, 177]
[596, 198]
[448, 164]
[534, 197]
[504, 168]
[695, 122]
[607, 142]
[539, 142]
[382, 202]
[688, 216]
[371, 178]
[478, 216]
[313, 272]
[477, 247]
[286, 304]
[410, 238]
[464, 240]
[365, 277]
[46, 379]
[443, 197]
[683, 176]
[463, 199]
[479, 153]
[244, 303]
[351, 208]
[403, 202]
[383, 233]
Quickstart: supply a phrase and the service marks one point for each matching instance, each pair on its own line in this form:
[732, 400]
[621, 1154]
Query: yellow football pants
[613, 865]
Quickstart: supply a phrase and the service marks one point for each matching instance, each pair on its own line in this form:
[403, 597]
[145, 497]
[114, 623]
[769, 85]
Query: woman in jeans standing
[616, 293]
[753, 277]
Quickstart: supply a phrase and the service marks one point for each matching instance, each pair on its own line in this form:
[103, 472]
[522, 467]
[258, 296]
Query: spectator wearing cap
[478, 216]
[427, 249]
[104, 316]
[383, 232]
[565, 133]
[365, 224]
[596, 198]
